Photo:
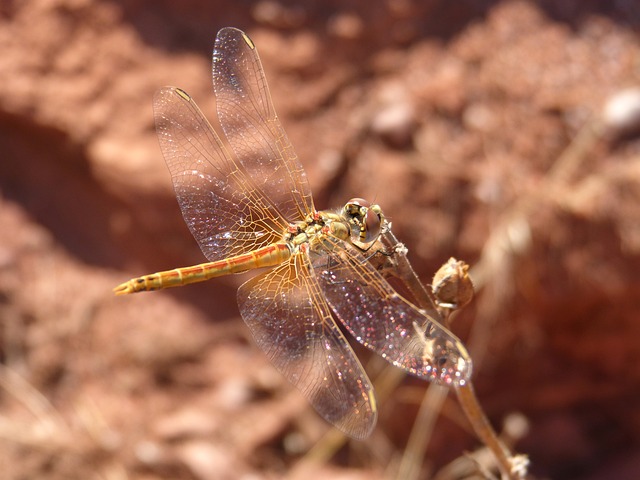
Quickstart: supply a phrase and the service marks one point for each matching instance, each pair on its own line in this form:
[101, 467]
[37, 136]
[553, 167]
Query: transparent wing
[379, 318]
[226, 213]
[292, 323]
[252, 127]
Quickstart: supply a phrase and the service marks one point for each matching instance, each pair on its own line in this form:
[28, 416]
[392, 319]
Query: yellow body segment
[268, 256]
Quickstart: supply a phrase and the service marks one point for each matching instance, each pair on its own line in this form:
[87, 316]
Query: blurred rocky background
[502, 133]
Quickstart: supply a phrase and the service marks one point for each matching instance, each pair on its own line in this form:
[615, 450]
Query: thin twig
[413, 455]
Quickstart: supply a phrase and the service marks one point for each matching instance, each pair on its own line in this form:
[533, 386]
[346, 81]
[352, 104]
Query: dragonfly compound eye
[372, 222]
[365, 220]
[358, 202]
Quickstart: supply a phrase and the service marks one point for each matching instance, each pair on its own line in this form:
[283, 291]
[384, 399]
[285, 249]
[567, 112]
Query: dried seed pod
[451, 285]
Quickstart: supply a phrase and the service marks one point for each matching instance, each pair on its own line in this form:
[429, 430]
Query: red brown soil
[467, 121]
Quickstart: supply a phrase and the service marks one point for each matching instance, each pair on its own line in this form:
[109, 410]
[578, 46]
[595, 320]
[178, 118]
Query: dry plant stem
[484, 430]
[412, 458]
[322, 451]
[49, 419]
[566, 166]
[466, 393]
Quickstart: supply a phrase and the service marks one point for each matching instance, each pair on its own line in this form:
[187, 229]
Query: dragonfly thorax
[316, 228]
[359, 223]
[306, 231]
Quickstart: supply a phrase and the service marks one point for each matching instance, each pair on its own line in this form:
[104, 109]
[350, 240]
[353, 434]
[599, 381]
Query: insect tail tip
[123, 289]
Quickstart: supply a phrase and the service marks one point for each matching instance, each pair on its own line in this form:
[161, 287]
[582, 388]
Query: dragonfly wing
[252, 127]
[291, 322]
[384, 321]
[224, 210]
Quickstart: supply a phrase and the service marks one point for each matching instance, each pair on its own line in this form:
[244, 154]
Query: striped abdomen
[268, 256]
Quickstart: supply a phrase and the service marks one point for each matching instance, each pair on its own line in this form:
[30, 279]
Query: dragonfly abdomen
[268, 256]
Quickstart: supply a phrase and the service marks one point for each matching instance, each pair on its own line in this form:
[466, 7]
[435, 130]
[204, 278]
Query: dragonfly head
[365, 220]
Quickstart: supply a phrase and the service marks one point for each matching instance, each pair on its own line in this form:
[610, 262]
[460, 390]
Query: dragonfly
[248, 203]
